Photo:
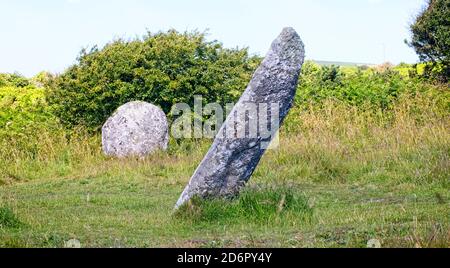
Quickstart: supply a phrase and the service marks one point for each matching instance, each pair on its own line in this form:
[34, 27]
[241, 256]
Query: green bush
[13, 80]
[163, 68]
[377, 87]
[21, 108]
[24, 117]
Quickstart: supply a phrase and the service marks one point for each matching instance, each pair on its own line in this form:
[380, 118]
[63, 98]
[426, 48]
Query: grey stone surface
[135, 129]
[231, 161]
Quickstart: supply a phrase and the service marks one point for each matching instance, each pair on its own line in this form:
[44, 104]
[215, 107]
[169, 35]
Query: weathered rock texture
[231, 161]
[135, 129]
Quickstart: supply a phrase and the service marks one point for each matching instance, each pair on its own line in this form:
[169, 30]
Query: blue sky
[48, 34]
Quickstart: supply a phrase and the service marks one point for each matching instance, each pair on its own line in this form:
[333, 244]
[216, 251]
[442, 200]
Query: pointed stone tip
[288, 30]
[287, 41]
[289, 33]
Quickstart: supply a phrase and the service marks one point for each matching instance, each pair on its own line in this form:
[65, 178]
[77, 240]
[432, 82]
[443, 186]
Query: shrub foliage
[378, 88]
[163, 68]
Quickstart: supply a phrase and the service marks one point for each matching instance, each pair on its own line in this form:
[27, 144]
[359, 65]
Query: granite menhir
[231, 160]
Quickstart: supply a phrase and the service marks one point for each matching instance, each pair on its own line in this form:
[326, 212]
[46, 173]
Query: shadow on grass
[257, 205]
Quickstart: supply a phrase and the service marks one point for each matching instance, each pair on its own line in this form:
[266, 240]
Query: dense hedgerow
[378, 88]
[34, 113]
[172, 67]
[24, 118]
[13, 80]
[163, 68]
[23, 107]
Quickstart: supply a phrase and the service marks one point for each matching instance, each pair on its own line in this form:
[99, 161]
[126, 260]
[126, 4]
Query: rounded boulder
[136, 129]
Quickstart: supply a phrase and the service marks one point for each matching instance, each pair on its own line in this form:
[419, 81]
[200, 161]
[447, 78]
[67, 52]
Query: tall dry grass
[331, 142]
[336, 142]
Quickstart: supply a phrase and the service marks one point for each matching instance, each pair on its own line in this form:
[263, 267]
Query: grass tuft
[8, 219]
[262, 205]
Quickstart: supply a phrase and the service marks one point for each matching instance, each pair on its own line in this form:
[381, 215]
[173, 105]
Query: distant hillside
[339, 63]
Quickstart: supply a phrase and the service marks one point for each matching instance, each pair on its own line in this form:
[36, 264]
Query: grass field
[341, 178]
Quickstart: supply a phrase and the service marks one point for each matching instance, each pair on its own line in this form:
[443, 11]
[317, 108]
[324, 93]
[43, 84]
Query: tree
[431, 36]
[164, 69]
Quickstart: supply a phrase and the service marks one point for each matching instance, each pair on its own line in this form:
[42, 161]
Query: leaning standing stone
[135, 129]
[233, 157]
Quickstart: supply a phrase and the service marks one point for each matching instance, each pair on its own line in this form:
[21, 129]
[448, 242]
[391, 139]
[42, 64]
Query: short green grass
[134, 209]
